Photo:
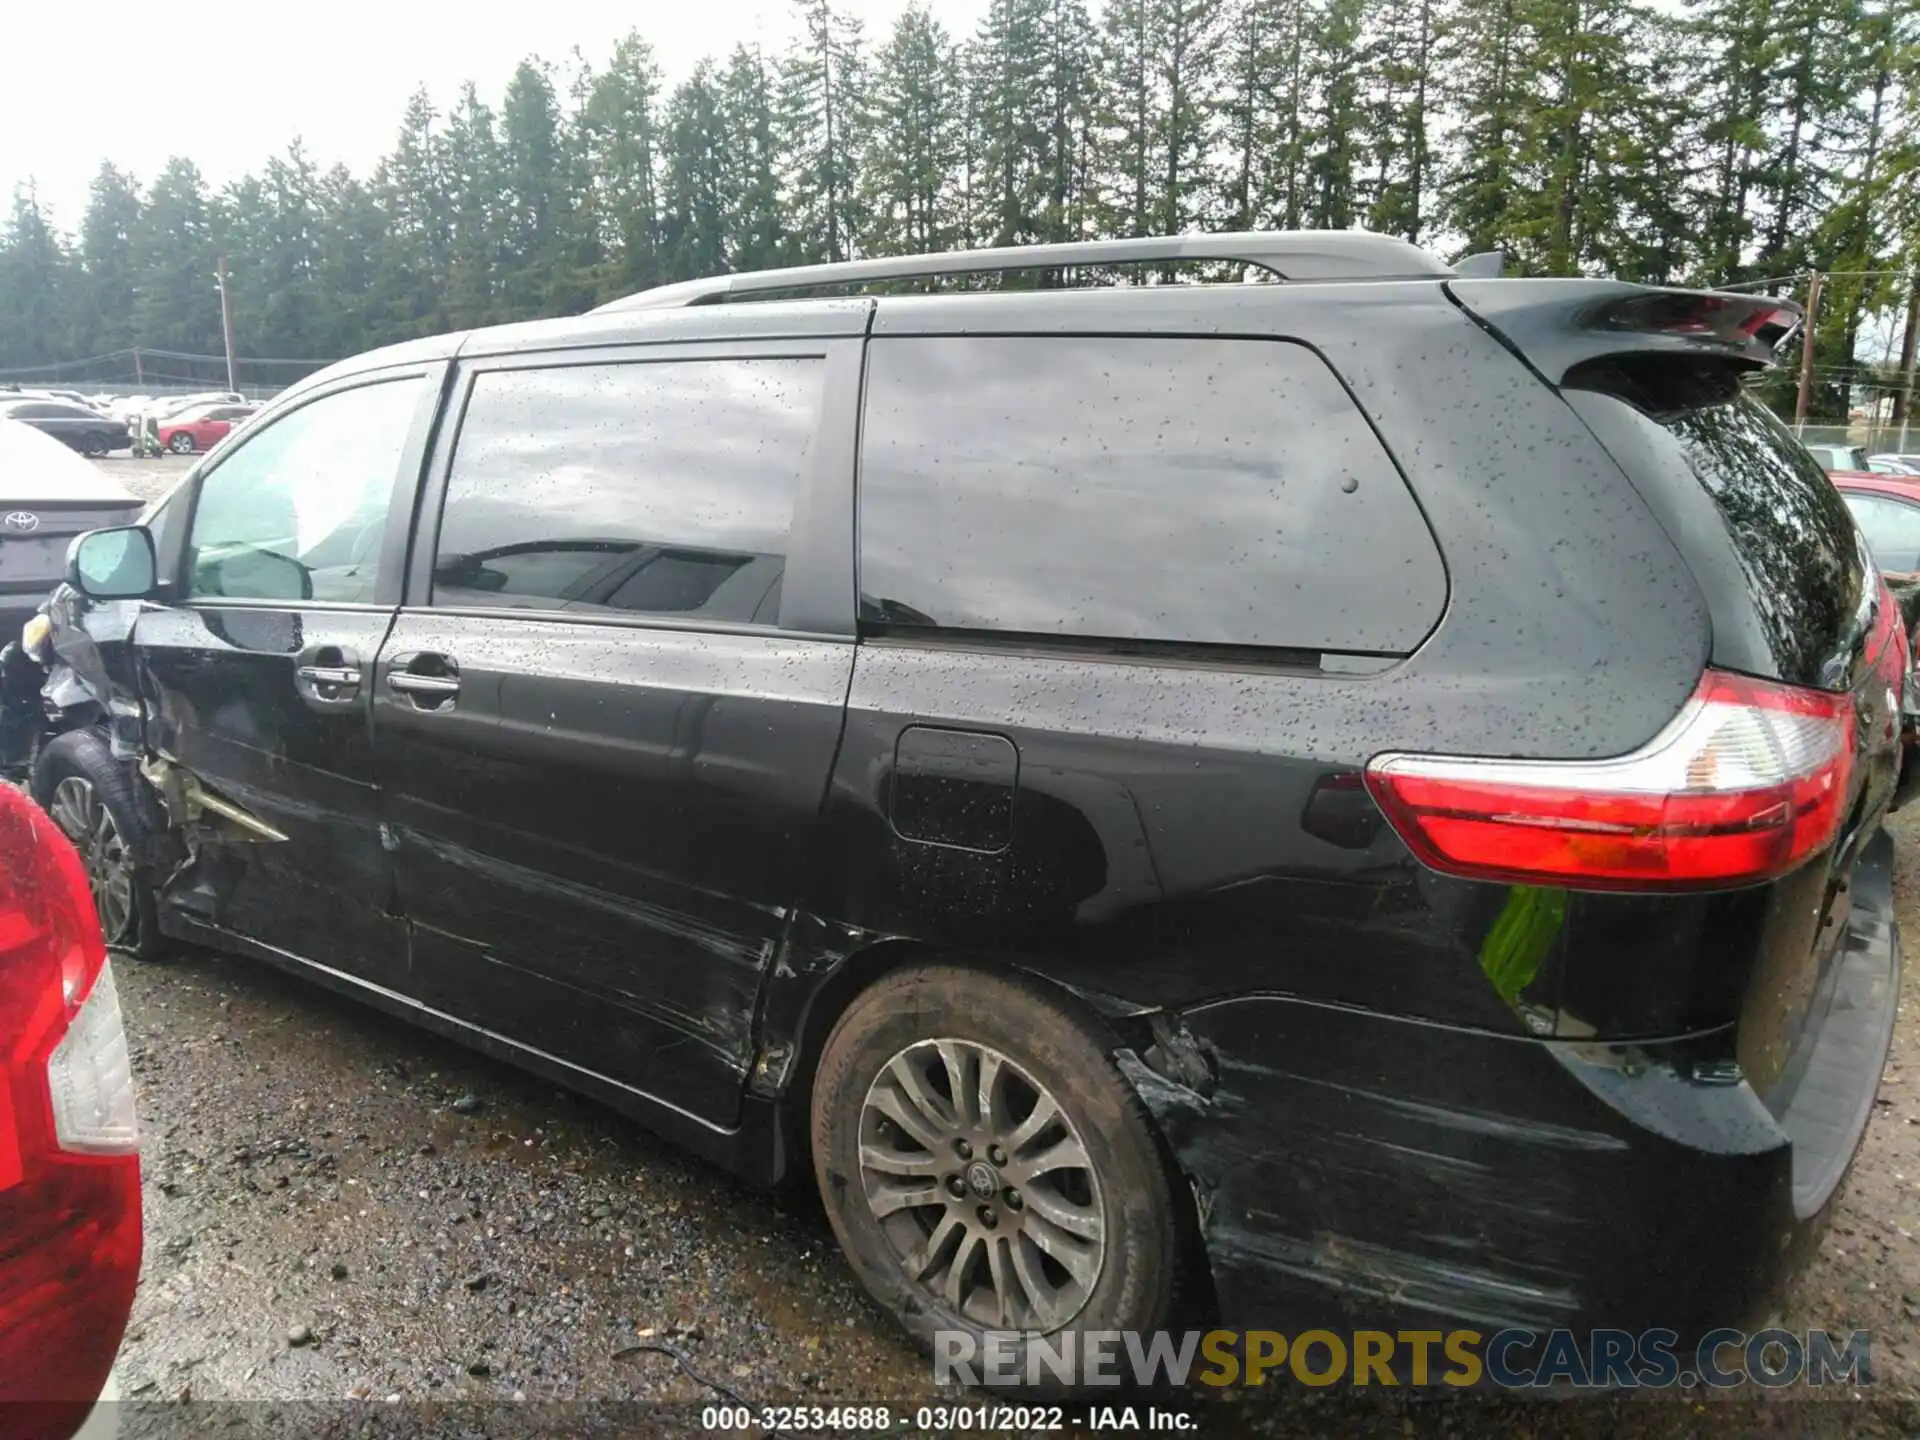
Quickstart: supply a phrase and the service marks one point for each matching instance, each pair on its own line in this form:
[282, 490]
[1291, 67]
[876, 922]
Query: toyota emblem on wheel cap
[22, 520]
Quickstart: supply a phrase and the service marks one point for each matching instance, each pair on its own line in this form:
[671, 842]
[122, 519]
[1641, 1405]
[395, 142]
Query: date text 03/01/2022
[941, 1419]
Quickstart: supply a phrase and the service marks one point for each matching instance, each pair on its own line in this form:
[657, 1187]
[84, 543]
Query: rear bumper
[1359, 1172]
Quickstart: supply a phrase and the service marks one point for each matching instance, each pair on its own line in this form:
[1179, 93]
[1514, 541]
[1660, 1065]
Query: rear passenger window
[659, 488]
[1221, 492]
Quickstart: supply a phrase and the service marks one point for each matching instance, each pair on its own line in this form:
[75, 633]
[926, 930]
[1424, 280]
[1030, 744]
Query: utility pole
[139, 380]
[226, 324]
[1903, 402]
[1806, 353]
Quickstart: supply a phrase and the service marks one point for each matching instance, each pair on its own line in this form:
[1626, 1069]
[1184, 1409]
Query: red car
[202, 427]
[69, 1147]
[1887, 509]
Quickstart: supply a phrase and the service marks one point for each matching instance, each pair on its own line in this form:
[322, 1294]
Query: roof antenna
[1486, 265]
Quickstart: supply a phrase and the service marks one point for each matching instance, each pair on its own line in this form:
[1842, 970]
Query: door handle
[425, 681]
[328, 677]
[409, 684]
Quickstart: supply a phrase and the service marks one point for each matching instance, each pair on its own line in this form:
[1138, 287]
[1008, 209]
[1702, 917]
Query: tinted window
[1892, 529]
[1789, 526]
[1215, 491]
[662, 488]
[297, 510]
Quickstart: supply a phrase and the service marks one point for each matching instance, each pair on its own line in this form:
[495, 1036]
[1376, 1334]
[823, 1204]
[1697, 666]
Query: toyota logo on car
[22, 520]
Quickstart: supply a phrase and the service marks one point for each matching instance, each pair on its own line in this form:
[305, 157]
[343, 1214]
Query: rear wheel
[181, 443]
[985, 1165]
[91, 797]
[95, 446]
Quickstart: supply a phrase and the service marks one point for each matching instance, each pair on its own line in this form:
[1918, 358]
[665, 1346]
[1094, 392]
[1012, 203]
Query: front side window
[660, 488]
[1892, 528]
[1106, 488]
[298, 509]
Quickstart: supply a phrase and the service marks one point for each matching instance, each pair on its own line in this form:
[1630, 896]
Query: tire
[181, 443]
[94, 447]
[1125, 1277]
[93, 799]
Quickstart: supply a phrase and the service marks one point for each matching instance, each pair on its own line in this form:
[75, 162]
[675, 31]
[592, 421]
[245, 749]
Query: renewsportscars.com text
[1508, 1359]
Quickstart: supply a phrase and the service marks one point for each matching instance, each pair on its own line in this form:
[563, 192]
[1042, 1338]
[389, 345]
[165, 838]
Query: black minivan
[1353, 800]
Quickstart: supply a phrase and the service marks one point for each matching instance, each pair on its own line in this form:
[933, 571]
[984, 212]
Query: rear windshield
[1778, 553]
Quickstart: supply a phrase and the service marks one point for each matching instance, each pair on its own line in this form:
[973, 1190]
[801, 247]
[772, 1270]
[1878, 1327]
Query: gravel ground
[341, 1207]
[145, 478]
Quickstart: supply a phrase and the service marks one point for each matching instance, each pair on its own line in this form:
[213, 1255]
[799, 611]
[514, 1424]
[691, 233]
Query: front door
[256, 679]
[604, 739]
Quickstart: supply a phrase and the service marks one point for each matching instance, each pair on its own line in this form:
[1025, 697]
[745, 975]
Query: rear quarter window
[1783, 564]
[1167, 491]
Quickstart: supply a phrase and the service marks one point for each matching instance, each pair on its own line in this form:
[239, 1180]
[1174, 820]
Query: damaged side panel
[274, 781]
[1327, 1198]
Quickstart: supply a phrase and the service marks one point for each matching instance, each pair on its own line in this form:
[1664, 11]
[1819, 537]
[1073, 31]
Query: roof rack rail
[1288, 254]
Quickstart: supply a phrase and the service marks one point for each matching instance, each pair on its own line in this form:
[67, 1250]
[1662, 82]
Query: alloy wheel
[982, 1184]
[76, 808]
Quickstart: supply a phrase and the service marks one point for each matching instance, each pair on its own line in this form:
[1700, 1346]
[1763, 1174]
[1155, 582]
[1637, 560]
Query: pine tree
[620, 125]
[1398, 54]
[754, 222]
[1484, 60]
[1005, 74]
[1069, 75]
[1730, 45]
[1262, 115]
[106, 287]
[907, 169]
[820, 110]
[1336, 118]
[469, 161]
[410, 272]
[1127, 115]
[35, 276]
[352, 226]
[534, 220]
[694, 189]
[282, 292]
[176, 305]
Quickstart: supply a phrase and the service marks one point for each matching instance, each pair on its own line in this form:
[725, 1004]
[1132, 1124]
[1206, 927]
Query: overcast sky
[135, 81]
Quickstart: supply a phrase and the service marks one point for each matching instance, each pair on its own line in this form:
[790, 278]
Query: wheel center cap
[982, 1180]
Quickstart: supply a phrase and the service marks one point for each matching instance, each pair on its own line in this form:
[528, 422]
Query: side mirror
[116, 564]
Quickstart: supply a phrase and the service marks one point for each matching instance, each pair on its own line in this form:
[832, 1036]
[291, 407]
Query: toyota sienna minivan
[1347, 801]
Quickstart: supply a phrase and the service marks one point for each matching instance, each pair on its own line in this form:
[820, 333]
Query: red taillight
[1744, 785]
[69, 1171]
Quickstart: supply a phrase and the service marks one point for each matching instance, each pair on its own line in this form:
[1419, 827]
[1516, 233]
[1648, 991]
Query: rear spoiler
[1557, 324]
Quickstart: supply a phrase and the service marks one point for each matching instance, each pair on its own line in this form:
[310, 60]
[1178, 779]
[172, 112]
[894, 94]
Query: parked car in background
[1022, 758]
[48, 495]
[1904, 464]
[70, 1230]
[171, 406]
[1839, 457]
[30, 392]
[201, 427]
[1887, 509]
[77, 426]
